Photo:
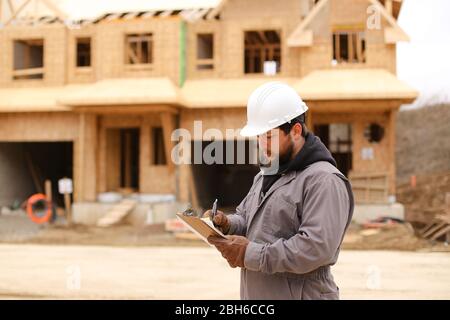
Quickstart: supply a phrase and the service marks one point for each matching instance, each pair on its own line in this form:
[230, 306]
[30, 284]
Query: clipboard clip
[189, 212]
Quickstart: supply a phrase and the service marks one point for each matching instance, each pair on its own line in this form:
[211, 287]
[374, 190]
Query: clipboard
[203, 228]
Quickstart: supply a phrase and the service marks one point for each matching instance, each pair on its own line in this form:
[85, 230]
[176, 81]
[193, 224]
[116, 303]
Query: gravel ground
[51, 271]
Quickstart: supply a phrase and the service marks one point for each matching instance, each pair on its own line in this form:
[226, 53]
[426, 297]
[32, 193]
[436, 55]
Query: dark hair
[286, 127]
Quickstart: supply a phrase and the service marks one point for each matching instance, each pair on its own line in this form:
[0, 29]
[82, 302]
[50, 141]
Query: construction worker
[287, 231]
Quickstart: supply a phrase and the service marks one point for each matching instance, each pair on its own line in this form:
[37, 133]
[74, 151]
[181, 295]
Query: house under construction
[97, 98]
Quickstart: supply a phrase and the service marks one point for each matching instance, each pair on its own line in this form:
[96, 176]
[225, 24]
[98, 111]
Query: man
[287, 231]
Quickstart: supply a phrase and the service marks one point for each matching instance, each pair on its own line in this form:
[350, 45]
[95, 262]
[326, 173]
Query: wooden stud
[193, 190]
[68, 207]
[48, 190]
[16, 12]
[168, 125]
[214, 12]
[126, 153]
[129, 109]
[391, 157]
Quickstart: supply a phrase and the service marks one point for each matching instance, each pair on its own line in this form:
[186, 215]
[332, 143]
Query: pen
[214, 211]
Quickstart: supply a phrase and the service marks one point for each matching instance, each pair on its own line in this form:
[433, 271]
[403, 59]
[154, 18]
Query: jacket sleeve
[238, 221]
[324, 219]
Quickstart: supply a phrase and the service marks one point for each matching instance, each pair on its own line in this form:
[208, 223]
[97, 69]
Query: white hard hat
[271, 105]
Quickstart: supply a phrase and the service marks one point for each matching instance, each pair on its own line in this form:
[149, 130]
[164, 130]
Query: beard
[272, 166]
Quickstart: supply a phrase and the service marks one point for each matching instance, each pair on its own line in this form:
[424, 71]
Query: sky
[424, 62]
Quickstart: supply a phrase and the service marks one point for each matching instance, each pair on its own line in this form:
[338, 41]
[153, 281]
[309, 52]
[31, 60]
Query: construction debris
[117, 213]
[438, 228]
[382, 222]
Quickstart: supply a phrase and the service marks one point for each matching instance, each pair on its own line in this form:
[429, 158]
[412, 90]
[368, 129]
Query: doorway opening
[337, 137]
[122, 145]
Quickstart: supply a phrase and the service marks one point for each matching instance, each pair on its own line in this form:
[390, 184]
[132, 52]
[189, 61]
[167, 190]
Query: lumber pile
[117, 213]
[439, 226]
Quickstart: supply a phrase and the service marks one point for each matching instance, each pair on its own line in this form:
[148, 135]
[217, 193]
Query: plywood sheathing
[84, 74]
[341, 84]
[33, 99]
[38, 126]
[123, 92]
[153, 178]
[55, 44]
[344, 14]
[111, 47]
[349, 84]
[223, 93]
[301, 36]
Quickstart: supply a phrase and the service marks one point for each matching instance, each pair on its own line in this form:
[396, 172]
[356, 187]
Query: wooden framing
[355, 46]
[28, 71]
[297, 37]
[133, 109]
[168, 125]
[139, 49]
[400, 35]
[147, 46]
[205, 56]
[370, 187]
[15, 12]
[261, 46]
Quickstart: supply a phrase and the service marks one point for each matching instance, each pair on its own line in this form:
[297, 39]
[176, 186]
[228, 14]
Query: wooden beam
[33, 172]
[394, 35]
[148, 14]
[214, 12]
[127, 159]
[388, 5]
[168, 126]
[16, 12]
[309, 121]
[165, 13]
[128, 109]
[193, 190]
[11, 6]
[263, 37]
[391, 156]
[402, 36]
[28, 72]
[130, 15]
[293, 39]
[85, 156]
[48, 189]
[131, 55]
[189, 15]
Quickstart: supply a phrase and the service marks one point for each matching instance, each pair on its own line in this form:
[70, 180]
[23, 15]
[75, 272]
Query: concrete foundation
[365, 212]
[88, 213]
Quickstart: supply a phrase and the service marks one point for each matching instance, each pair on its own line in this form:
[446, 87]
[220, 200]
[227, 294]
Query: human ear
[297, 131]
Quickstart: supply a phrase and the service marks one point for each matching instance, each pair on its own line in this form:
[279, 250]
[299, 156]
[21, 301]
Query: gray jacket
[295, 234]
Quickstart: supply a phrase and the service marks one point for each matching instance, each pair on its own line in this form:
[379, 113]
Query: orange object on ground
[32, 212]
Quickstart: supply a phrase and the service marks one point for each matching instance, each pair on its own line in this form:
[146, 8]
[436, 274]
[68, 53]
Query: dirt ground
[20, 230]
[127, 262]
[99, 272]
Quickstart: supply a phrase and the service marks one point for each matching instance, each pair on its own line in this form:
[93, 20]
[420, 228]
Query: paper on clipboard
[203, 228]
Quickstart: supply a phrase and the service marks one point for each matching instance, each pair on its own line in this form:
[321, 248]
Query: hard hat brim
[249, 131]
